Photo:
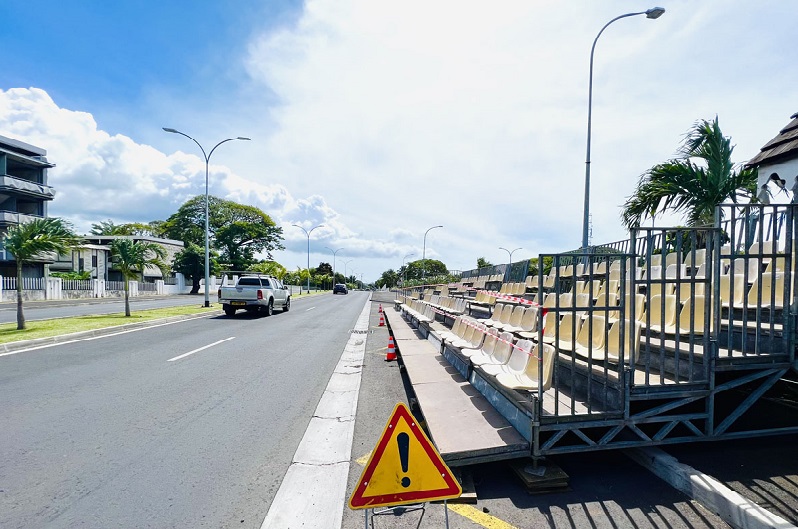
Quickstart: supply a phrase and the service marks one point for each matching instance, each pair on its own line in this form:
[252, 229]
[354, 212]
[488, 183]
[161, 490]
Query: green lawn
[56, 327]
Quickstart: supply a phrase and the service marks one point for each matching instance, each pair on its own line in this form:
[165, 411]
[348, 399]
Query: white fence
[28, 283]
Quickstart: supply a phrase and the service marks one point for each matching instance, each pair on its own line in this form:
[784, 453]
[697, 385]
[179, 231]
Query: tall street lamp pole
[333, 252]
[653, 13]
[509, 269]
[403, 264]
[207, 246]
[308, 235]
[424, 253]
[345, 265]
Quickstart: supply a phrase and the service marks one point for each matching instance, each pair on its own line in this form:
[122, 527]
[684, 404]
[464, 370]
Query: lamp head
[167, 129]
[242, 138]
[655, 12]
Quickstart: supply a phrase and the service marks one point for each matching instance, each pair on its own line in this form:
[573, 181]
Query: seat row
[512, 363]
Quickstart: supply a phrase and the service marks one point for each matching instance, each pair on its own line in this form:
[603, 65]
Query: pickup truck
[254, 293]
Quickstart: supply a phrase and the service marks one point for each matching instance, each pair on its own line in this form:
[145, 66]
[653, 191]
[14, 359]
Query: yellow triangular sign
[404, 468]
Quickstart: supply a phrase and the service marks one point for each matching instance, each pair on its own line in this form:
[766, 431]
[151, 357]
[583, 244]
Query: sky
[379, 119]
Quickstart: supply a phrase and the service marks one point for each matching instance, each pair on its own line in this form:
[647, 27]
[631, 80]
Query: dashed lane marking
[200, 349]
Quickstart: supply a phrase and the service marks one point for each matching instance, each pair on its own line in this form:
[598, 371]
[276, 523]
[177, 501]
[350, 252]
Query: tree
[107, 227]
[483, 263]
[324, 269]
[430, 267]
[237, 231]
[35, 240]
[131, 257]
[272, 268]
[700, 178]
[388, 279]
[190, 261]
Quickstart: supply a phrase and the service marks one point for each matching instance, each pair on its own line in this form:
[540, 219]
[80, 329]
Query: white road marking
[37, 347]
[324, 452]
[311, 308]
[201, 349]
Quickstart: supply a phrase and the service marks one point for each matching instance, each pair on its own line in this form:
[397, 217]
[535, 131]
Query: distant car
[340, 288]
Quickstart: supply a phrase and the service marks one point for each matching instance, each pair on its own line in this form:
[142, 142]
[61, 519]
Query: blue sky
[382, 119]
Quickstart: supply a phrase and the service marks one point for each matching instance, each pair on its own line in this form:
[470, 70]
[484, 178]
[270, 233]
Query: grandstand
[674, 335]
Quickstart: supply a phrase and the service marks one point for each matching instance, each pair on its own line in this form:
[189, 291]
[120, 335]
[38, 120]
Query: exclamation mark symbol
[403, 441]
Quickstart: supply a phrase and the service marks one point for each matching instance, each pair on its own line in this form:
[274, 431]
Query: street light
[403, 264]
[308, 234]
[424, 253]
[333, 252]
[509, 270]
[207, 162]
[653, 13]
[345, 265]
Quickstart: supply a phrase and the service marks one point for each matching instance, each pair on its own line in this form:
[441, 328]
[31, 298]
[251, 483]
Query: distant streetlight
[308, 235]
[509, 269]
[346, 277]
[424, 253]
[333, 252]
[207, 162]
[653, 13]
[403, 263]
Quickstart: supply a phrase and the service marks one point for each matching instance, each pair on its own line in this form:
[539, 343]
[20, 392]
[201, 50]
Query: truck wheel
[228, 310]
[287, 305]
[269, 310]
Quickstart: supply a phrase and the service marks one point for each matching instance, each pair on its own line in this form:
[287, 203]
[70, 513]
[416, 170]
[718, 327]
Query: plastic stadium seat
[517, 362]
[529, 378]
[660, 317]
[488, 345]
[591, 335]
[691, 318]
[501, 352]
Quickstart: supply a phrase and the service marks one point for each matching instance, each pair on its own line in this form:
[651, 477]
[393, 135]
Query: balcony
[12, 218]
[13, 185]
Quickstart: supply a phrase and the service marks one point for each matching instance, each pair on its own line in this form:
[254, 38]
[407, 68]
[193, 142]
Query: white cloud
[394, 118]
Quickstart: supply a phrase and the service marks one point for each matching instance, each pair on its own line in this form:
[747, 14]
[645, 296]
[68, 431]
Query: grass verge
[57, 327]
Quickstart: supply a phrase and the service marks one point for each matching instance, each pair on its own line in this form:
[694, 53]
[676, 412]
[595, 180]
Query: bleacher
[625, 348]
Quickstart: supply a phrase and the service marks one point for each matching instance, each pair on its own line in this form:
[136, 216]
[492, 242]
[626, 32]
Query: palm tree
[702, 177]
[131, 257]
[35, 240]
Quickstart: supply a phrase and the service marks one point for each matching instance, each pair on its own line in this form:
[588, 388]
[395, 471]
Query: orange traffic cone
[382, 321]
[391, 354]
[380, 308]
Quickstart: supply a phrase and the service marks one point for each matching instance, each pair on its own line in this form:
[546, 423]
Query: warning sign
[403, 468]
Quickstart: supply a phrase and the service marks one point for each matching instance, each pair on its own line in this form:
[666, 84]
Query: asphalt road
[191, 424]
[45, 310]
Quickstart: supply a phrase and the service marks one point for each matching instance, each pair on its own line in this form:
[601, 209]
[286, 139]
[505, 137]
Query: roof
[781, 148]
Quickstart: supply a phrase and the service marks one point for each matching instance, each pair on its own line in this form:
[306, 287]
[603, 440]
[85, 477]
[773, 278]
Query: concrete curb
[11, 347]
[733, 508]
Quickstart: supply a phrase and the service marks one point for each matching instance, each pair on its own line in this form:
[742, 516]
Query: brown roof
[781, 148]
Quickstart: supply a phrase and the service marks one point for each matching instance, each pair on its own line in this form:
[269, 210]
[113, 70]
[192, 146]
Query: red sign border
[452, 490]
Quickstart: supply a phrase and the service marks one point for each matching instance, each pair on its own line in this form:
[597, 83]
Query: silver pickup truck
[254, 293]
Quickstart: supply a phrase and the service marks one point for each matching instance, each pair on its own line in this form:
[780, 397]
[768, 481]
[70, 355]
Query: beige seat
[699, 259]
[772, 294]
[658, 289]
[515, 364]
[505, 317]
[583, 304]
[459, 329]
[529, 378]
[732, 292]
[500, 355]
[661, 312]
[550, 322]
[514, 325]
[569, 327]
[607, 299]
[691, 318]
[612, 349]
[529, 324]
[495, 318]
[488, 345]
[472, 337]
[676, 271]
[591, 335]
[671, 259]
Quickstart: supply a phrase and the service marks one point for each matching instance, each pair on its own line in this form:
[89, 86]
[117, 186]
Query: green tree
[108, 227]
[701, 177]
[388, 279]
[425, 267]
[190, 261]
[483, 263]
[36, 240]
[131, 257]
[272, 268]
[324, 269]
[236, 230]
